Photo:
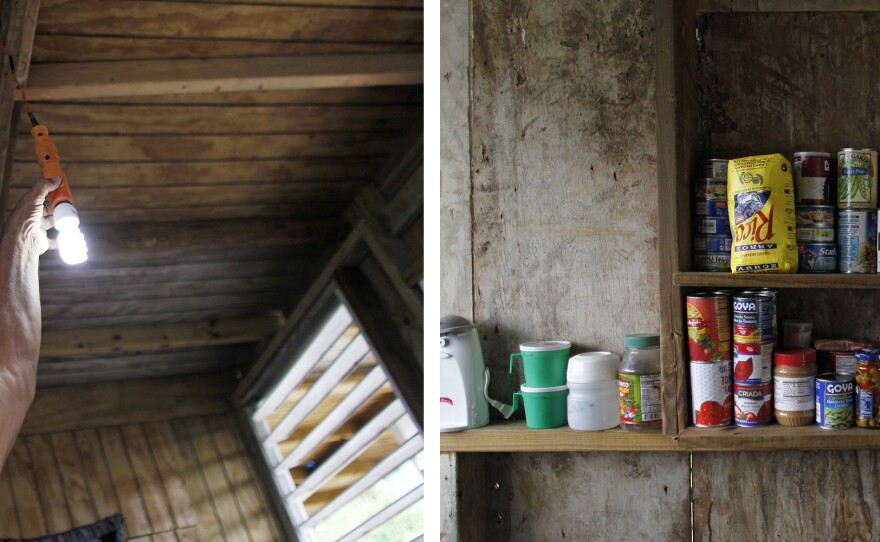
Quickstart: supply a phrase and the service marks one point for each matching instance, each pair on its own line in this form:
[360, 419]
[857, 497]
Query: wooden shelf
[516, 437]
[771, 280]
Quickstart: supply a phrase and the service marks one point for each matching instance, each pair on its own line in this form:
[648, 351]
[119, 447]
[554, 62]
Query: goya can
[817, 258]
[867, 387]
[753, 319]
[814, 235]
[711, 394]
[712, 225]
[718, 262]
[715, 168]
[857, 178]
[752, 404]
[710, 189]
[814, 216]
[710, 208]
[753, 363]
[713, 243]
[812, 178]
[834, 401]
[857, 241]
[708, 326]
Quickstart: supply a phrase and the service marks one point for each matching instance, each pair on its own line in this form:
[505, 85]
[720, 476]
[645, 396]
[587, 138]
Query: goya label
[753, 319]
[834, 401]
[639, 398]
[761, 207]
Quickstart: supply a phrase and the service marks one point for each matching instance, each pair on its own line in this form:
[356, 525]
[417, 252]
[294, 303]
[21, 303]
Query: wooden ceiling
[207, 214]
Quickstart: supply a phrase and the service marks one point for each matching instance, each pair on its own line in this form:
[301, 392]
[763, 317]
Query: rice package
[760, 203]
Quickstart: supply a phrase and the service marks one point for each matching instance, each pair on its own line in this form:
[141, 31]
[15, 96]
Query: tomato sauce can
[718, 262]
[711, 394]
[814, 216]
[715, 168]
[835, 401]
[712, 225]
[711, 190]
[710, 208]
[708, 327]
[812, 178]
[752, 404]
[714, 243]
[753, 363]
[817, 257]
[857, 241]
[753, 318]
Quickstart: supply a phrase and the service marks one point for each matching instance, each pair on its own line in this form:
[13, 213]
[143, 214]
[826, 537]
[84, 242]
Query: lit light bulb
[71, 242]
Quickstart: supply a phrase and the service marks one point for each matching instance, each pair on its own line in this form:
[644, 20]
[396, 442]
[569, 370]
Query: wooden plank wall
[185, 479]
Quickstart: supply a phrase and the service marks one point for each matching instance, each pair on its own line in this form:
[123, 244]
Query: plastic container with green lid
[639, 383]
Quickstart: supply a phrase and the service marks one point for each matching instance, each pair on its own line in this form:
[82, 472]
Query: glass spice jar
[794, 386]
[868, 388]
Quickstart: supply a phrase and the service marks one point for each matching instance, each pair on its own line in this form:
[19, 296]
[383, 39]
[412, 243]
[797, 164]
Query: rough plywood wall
[588, 497]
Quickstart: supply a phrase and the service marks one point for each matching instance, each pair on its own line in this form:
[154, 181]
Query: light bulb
[71, 242]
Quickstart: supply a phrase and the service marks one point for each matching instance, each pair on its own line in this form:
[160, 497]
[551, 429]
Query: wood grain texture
[9, 526]
[21, 469]
[73, 479]
[101, 488]
[564, 202]
[131, 499]
[149, 482]
[569, 496]
[52, 495]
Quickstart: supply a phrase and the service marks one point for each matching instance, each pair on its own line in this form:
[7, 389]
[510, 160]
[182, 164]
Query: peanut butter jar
[794, 386]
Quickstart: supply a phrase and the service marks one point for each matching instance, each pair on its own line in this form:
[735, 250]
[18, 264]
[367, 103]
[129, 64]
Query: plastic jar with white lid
[592, 385]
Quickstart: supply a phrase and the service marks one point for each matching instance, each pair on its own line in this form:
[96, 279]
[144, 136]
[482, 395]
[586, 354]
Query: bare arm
[23, 241]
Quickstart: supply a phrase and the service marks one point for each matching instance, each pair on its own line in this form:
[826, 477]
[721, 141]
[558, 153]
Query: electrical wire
[21, 87]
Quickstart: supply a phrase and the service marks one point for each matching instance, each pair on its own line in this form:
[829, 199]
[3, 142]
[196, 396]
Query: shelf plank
[776, 437]
[771, 280]
[516, 437]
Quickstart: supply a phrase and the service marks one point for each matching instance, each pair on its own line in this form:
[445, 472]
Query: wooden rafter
[82, 80]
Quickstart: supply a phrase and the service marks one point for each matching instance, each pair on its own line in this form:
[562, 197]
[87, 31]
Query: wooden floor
[179, 480]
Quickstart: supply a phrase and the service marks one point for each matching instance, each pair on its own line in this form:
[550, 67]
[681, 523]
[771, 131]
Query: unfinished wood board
[73, 478]
[21, 470]
[570, 496]
[148, 480]
[122, 473]
[800, 495]
[49, 487]
[462, 497]
[563, 154]
[103, 492]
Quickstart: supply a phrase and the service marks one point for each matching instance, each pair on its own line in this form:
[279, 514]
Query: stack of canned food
[712, 241]
[814, 210]
[754, 338]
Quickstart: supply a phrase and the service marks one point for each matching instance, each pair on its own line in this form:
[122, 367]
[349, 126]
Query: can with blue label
[817, 257]
[710, 208]
[713, 243]
[712, 225]
[754, 318]
[835, 407]
[715, 168]
[857, 241]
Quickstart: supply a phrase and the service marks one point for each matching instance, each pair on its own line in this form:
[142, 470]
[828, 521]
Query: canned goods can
[857, 241]
[814, 216]
[711, 397]
[857, 178]
[710, 207]
[753, 319]
[752, 404]
[842, 363]
[812, 178]
[813, 235]
[715, 168]
[817, 258]
[753, 363]
[713, 243]
[708, 327]
[768, 293]
[834, 401]
[710, 190]
[712, 225]
[867, 386]
[712, 261]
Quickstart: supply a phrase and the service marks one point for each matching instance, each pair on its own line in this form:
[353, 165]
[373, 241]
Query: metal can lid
[795, 357]
[641, 340]
[813, 153]
[868, 354]
[833, 377]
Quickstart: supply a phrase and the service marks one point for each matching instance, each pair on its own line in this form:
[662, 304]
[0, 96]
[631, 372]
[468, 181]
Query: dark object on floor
[107, 530]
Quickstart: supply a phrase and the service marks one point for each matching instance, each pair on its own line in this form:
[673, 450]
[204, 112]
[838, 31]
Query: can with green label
[857, 178]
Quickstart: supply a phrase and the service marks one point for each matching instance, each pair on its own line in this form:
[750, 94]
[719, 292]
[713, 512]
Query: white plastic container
[593, 403]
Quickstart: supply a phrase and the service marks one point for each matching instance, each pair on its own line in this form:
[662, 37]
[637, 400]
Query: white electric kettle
[462, 376]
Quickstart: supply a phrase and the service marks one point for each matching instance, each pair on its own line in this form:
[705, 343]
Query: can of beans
[857, 241]
[712, 261]
[753, 318]
[834, 401]
[857, 178]
[711, 397]
[708, 327]
[867, 388]
[812, 178]
[817, 258]
[713, 243]
[715, 168]
[710, 189]
[753, 363]
[814, 235]
[712, 225]
[814, 216]
[752, 404]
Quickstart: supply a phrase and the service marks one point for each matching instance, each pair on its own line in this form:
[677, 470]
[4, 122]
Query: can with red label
[843, 363]
[753, 318]
[812, 178]
[753, 363]
[708, 325]
[711, 394]
[752, 404]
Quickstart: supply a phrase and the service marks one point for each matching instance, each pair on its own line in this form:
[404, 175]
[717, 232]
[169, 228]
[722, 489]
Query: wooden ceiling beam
[80, 80]
[120, 340]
